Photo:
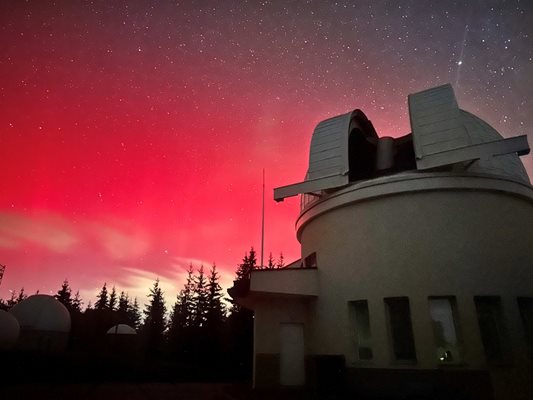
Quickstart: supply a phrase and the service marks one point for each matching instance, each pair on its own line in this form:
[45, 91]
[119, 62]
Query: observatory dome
[506, 165]
[346, 150]
[121, 329]
[9, 330]
[42, 312]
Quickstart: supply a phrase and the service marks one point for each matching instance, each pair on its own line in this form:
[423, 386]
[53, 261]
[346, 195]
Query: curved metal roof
[442, 135]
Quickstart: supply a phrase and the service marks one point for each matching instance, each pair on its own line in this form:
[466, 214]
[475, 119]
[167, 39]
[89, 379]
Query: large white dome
[42, 312]
[9, 330]
[121, 329]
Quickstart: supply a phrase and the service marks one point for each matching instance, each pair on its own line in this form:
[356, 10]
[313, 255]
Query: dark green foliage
[249, 263]
[112, 304]
[134, 313]
[77, 303]
[123, 305]
[21, 296]
[281, 261]
[240, 324]
[181, 319]
[271, 263]
[200, 299]
[102, 300]
[128, 311]
[215, 308]
[154, 323]
[182, 312]
[14, 299]
[64, 295]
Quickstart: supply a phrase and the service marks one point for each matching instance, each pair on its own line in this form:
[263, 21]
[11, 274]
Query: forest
[203, 336]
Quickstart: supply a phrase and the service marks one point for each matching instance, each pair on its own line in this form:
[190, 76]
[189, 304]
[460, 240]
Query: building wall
[269, 313]
[460, 243]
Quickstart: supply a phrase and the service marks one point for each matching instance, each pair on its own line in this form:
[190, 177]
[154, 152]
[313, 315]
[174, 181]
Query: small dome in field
[42, 312]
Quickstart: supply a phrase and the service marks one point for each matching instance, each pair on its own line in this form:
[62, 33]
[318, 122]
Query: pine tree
[154, 322]
[181, 319]
[271, 263]
[102, 299]
[21, 296]
[182, 312]
[12, 300]
[134, 313]
[64, 295]
[240, 322]
[249, 263]
[112, 304]
[215, 307]
[89, 305]
[281, 261]
[200, 298]
[77, 302]
[123, 304]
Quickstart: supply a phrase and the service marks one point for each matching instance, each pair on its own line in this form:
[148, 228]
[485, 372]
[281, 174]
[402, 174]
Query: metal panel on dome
[328, 159]
[436, 124]
[442, 135]
[329, 153]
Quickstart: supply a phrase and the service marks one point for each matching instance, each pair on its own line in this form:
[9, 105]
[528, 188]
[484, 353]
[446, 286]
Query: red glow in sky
[133, 136]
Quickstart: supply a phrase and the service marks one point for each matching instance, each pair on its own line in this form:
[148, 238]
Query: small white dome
[121, 329]
[9, 330]
[42, 312]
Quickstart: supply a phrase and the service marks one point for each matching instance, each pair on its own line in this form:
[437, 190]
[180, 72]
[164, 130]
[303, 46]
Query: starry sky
[133, 134]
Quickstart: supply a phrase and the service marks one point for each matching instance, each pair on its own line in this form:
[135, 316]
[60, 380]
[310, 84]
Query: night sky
[133, 134]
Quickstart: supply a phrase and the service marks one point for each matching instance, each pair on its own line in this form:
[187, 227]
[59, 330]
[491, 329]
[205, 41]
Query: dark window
[445, 329]
[400, 328]
[492, 329]
[310, 261]
[525, 304]
[361, 321]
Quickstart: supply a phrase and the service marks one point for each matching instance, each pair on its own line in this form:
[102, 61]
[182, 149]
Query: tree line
[201, 328]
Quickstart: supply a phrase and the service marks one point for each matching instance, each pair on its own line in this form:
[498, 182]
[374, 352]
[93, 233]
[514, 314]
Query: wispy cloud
[50, 231]
[119, 244]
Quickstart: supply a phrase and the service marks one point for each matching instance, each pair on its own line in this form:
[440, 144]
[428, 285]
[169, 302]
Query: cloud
[137, 282]
[49, 231]
[226, 272]
[121, 245]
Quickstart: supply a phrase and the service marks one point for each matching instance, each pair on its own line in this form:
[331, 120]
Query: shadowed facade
[416, 273]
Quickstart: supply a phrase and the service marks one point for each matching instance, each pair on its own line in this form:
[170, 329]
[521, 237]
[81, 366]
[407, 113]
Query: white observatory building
[416, 276]
[44, 324]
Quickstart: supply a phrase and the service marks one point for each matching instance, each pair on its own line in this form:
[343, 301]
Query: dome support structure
[442, 135]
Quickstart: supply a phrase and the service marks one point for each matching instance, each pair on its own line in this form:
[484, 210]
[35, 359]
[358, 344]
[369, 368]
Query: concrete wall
[299, 281]
[269, 313]
[458, 243]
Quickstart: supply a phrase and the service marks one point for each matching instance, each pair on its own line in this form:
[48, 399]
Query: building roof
[121, 329]
[346, 148]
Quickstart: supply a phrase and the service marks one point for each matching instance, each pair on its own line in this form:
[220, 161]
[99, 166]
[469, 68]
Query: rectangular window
[445, 329]
[400, 328]
[361, 320]
[525, 304]
[492, 329]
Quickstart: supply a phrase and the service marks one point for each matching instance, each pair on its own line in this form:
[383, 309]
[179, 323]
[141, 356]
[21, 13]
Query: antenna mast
[263, 222]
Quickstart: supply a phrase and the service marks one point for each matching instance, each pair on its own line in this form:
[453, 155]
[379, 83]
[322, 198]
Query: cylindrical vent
[385, 153]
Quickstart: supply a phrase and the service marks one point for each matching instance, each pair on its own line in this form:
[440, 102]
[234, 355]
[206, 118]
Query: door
[292, 372]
